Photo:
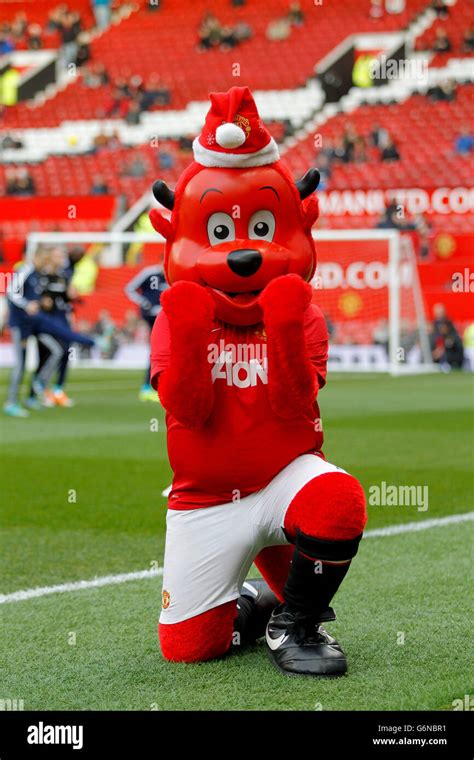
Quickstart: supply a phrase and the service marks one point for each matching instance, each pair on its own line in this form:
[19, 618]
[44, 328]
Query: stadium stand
[18, 15]
[269, 64]
[425, 135]
[456, 23]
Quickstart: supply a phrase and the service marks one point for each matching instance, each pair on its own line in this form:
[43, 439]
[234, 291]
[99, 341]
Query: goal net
[366, 284]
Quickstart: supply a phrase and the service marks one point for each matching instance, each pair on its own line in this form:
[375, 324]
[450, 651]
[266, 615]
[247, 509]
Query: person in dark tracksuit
[55, 301]
[23, 296]
[26, 318]
[145, 290]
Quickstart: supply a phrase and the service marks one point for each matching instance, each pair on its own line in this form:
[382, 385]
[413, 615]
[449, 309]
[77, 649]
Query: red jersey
[243, 444]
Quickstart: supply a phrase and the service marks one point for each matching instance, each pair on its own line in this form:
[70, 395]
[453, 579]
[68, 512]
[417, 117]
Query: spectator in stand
[439, 316]
[70, 28]
[212, 34]
[186, 143]
[390, 152]
[324, 167]
[33, 37]
[155, 93]
[130, 326]
[443, 91]
[117, 104]
[327, 149]
[278, 30]
[19, 25]
[99, 186]
[133, 114]
[330, 327]
[9, 142]
[122, 85]
[55, 18]
[381, 335]
[468, 40]
[165, 160]
[340, 151]
[391, 218]
[209, 33]
[228, 38]
[376, 9]
[242, 31]
[19, 182]
[100, 142]
[135, 88]
[465, 142]
[440, 8]
[25, 182]
[288, 128]
[106, 335]
[359, 155]
[83, 49]
[378, 137]
[10, 182]
[468, 343]
[136, 168]
[442, 43]
[350, 137]
[447, 347]
[6, 43]
[295, 14]
[101, 10]
[95, 75]
[424, 228]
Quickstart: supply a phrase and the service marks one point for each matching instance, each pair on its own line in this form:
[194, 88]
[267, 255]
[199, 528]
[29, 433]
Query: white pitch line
[414, 527]
[112, 580]
[63, 588]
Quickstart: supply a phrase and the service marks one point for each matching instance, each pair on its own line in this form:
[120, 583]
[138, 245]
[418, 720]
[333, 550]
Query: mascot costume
[238, 357]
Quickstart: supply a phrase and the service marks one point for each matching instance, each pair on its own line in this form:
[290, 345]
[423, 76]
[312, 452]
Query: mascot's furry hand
[185, 387]
[292, 379]
[285, 300]
[188, 306]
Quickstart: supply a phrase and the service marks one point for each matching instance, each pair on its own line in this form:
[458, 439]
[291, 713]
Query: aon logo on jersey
[242, 374]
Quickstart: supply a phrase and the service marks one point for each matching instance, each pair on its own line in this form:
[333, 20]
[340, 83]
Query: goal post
[366, 284]
[368, 287]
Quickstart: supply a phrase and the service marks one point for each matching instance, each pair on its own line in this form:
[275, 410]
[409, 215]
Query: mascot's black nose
[244, 261]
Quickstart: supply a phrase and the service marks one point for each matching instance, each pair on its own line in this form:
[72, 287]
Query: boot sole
[292, 673]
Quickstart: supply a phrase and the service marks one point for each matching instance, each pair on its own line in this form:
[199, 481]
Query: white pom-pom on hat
[230, 135]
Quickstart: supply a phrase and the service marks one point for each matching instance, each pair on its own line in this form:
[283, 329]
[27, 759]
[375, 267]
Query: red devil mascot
[238, 358]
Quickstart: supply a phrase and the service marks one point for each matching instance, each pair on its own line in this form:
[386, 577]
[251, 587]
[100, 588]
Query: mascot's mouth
[242, 300]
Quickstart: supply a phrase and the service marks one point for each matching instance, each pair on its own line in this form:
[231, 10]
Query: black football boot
[297, 642]
[299, 645]
[254, 607]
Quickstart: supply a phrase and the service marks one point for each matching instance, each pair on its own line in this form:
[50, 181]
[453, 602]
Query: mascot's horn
[307, 184]
[163, 194]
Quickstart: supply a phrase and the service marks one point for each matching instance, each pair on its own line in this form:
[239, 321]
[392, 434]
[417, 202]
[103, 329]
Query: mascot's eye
[220, 227]
[262, 226]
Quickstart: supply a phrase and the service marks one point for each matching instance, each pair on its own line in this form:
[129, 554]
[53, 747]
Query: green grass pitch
[82, 498]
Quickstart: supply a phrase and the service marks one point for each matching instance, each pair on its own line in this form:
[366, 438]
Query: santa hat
[233, 134]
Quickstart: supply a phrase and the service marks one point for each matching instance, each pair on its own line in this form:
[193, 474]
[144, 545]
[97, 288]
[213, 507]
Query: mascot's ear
[161, 224]
[307, 184]
[310, 212]
[163, 194]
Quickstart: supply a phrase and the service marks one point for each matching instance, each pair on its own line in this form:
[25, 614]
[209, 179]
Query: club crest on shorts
[166, 599]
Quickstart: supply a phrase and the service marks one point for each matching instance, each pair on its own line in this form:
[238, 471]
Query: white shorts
[209, 551]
